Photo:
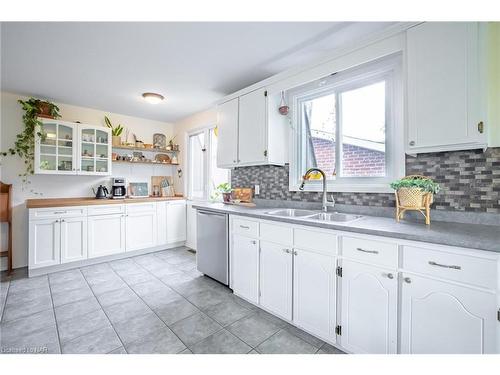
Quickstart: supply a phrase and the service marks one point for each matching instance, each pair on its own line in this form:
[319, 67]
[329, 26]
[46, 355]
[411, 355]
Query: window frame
[388, 69]
[207, 131]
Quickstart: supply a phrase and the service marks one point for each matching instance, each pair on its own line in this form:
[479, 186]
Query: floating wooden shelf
[155, 150]
[142, 162]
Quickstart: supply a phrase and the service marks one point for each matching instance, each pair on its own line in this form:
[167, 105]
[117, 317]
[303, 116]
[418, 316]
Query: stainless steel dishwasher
[212, 245]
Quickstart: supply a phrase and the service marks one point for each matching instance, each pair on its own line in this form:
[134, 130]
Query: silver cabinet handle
[60, 212]
[390, 276]
[62, 221]
[412, 143]
[432, 263]
[286, 251]
[407, 280]
[367, 251]
[244, 227]
[56, 221]
[294, 252]
[253, 242]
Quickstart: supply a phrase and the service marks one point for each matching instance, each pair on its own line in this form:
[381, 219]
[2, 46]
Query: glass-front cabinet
[72, 148]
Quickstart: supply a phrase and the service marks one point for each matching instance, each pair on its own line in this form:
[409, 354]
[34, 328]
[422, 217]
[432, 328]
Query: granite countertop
[90, 201]
[473, 236]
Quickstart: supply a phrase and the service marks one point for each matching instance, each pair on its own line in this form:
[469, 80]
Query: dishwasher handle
[210, 213]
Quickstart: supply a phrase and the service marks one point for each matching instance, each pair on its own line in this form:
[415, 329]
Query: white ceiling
[108, 65]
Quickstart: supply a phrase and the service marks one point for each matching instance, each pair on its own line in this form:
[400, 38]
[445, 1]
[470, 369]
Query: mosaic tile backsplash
[470, 181]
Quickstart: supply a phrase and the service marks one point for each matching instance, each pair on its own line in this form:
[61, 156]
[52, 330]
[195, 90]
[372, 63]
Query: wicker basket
[414, 199]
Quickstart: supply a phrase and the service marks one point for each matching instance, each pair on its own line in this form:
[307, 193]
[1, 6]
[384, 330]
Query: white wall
[181, 128]
[50, 186]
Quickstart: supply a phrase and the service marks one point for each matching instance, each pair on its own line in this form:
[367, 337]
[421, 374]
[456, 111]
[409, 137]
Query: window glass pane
[196, 166]
[217, 175]
[319, 119]
[362, 118]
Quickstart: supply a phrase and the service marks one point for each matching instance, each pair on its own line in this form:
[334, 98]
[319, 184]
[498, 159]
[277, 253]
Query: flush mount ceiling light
[152, 97]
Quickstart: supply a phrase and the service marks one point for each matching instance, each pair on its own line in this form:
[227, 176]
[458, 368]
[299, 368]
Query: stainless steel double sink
[313, 215]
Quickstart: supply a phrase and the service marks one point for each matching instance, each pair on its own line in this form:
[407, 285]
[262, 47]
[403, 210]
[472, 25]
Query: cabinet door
[141, 230]
[276, 279]
[227, 127]
[106, 235]
[245, 267]
[161, 218]
[44, 243]
[443, 86]
[444, 318]
[369, 309]
[73, 239]
[314, 293]
[94, 152]
[56, 152]
[176, 221]
[252, 147]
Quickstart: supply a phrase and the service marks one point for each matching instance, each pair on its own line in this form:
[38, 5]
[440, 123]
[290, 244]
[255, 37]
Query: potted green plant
[223, 189]
[414, 193]
[24, 146]
[116, 132]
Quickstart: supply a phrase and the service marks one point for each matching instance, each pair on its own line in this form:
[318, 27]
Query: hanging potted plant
[24, 146]
[414, 193]
[116, 132]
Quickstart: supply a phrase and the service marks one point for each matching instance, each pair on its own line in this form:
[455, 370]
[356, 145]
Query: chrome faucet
[326, 203]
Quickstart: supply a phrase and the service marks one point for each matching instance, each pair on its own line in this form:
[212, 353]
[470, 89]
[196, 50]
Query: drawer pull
[286, 251]
[390, 276]
[253, 242]
[60, 212]
[407, 280]
[432, 263]
[244, 227]
[367, 251]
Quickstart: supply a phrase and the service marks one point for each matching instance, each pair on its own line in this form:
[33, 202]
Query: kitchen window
[349, 125]
[203, 174]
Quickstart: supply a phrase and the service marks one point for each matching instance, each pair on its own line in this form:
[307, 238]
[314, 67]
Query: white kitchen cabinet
[446, 318]
[251, 131]
[140, 230]
[227, 128]
[276, 278]
[245, 267]
[73, 239]
[44, 242]
[161, 219]
[314, 293]
[106, 235]
[176, 221]
[72, 148]
[445, 93]
[252, 128]
[369, 304]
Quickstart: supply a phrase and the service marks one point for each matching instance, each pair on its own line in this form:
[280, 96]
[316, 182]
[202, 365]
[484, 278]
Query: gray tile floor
[155, 303]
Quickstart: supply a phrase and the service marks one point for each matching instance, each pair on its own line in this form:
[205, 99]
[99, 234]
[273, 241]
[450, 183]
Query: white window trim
[206, 163]
[394, 131]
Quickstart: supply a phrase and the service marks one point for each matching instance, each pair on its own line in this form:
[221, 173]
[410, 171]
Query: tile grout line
[102, 308]
[5, 302]
[54, 314]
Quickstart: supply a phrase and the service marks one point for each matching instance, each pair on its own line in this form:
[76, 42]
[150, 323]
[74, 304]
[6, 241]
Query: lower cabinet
[106, 235]
[161, 214]
[369, 306]
[314, 293]
[446, 318]
[245, 267]
[73, 239]
[44, 243]
[176, 221]
[140, 231]
[276, 278]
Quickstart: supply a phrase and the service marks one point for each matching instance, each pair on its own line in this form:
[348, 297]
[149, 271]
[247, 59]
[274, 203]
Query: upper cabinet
[72, 148]
[445, 89]
[248, 132]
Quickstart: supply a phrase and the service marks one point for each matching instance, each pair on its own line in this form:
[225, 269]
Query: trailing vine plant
[24, 146]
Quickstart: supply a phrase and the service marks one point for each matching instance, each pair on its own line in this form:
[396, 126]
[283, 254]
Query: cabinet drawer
[140, 207]
[47, 213]
[107, 209]
[246, 227]
[321, 241]
[370, 251]
[276, 233]
[452, 266]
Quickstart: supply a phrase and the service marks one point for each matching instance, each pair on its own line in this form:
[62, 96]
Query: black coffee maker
[118, 189]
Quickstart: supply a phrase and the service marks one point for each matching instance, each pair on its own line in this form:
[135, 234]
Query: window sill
[345, 188]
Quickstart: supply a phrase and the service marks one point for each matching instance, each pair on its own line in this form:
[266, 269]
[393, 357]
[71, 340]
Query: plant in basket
[223, 189]
[414, 193]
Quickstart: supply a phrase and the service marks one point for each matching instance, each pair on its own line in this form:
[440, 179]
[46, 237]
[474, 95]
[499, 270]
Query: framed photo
[138, 190]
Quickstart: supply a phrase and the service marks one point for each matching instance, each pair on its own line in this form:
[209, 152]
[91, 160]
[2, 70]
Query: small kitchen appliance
[101, 193]
[118, 189]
